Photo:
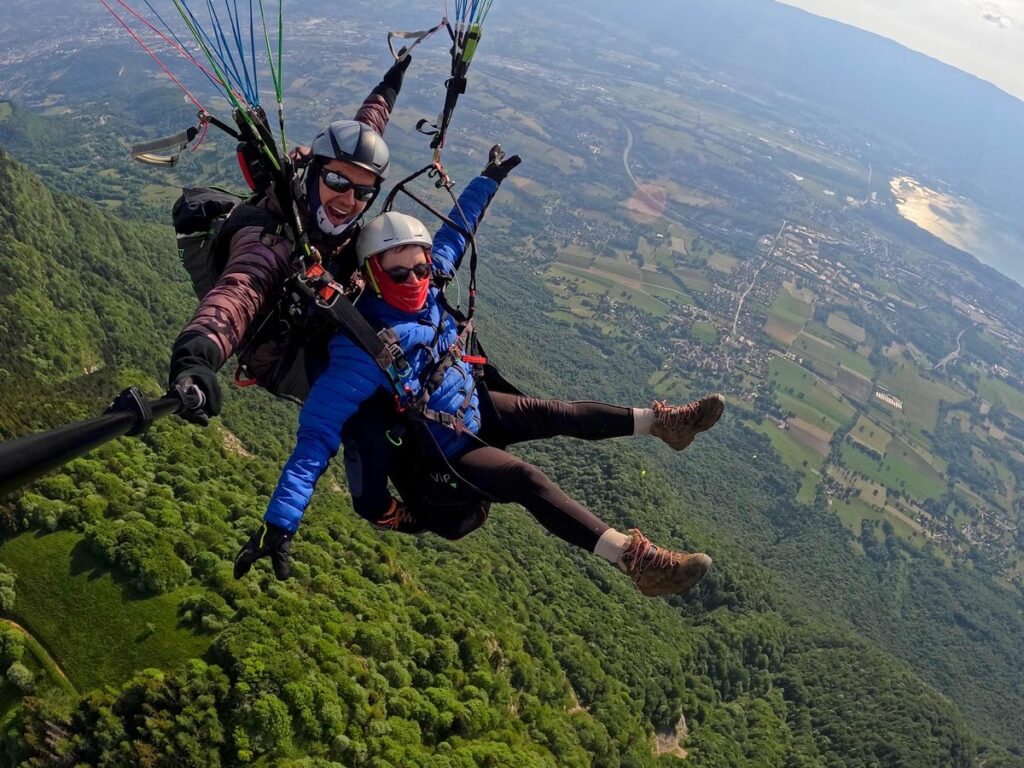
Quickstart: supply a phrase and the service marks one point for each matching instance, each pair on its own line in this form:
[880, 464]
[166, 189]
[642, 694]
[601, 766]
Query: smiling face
[342, 207]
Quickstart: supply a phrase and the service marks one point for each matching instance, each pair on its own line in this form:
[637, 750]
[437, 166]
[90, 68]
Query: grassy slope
[94, 624]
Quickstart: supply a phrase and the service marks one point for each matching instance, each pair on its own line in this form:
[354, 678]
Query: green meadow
[94, 625]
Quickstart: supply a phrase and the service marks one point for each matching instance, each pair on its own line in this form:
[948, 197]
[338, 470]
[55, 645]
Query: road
[625, 157]
[753, 281]
[656, 206]
[952, 355]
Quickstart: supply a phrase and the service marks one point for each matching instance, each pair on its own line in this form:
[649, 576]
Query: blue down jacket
[352, 377]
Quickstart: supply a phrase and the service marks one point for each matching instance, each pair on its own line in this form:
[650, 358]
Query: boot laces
[672, 416]
[395, 516]
[641, 554]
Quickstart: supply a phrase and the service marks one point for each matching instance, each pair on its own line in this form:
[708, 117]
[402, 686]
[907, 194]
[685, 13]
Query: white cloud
[995, 18]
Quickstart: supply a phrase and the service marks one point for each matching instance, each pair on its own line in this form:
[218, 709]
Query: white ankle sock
[643, 420]
[611, 545]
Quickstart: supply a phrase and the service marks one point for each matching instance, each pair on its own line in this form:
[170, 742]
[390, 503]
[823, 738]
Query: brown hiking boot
[677, 425]
[658, 571]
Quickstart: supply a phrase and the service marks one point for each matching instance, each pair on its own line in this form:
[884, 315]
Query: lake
[959, 222]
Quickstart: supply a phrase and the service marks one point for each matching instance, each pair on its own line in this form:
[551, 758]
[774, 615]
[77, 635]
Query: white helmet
[390, 230]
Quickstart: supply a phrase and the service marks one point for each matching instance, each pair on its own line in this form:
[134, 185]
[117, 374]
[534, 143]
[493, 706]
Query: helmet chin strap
[323, 221]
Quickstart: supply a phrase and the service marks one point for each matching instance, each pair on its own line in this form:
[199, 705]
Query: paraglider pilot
[339, 176]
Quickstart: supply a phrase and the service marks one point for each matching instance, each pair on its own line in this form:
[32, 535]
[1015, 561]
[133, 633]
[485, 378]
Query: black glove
[391, 83]
[266, 541]
[498, 167]
[192, 363]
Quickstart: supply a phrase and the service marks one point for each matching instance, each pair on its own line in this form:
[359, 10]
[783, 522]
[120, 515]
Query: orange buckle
[474, 359]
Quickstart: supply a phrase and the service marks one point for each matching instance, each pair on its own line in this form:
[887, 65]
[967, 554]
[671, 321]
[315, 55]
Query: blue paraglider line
[236, 32]
[252, 46]
[210, 45]
[214, 47]
[225, 51]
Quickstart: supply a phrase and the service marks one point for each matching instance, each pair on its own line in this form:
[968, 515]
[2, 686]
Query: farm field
[805, 433]
[669, 387]
[722, 262]
[797, 456]
[871, 434]
[921, 396]
[787, 316]
[853, 385]
[852, 331]
[705, 332]
[805, 394]
[998, 392]
[902, 469]
[599, 283]
[826, 356]
[853, 512]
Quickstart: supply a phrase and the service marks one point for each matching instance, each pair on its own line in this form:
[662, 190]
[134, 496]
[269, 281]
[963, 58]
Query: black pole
[24, 459]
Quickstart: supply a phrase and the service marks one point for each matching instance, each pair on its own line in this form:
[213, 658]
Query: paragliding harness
[441, 491]
[286, 348]
[265, 168]
[205, 219]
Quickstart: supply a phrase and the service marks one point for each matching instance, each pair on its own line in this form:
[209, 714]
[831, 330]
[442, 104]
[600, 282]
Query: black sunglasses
[401, 274]
[340, 183]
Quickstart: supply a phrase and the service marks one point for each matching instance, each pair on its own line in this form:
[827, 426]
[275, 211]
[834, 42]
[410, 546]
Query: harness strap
[416, 37]
[433, 376]
[382, 346]
[453, 421]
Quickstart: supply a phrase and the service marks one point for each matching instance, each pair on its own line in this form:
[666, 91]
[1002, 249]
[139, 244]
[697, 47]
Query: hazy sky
[983, 37]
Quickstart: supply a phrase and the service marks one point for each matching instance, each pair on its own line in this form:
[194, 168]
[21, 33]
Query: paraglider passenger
[398, 259]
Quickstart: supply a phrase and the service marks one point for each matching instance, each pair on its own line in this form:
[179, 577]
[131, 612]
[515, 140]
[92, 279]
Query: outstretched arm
[449, 242]
[350, 379]
[256, 266]
[376, 108]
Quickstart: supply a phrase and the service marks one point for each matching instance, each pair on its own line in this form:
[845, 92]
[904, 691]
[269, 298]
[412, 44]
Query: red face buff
[410, 294]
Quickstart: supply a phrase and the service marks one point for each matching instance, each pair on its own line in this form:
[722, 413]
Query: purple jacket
[256, 269]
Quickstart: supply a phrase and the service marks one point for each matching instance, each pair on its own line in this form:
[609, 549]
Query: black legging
[508, 419]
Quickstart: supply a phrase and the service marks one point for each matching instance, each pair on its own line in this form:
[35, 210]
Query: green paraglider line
[245, 110]
[221, 77]
[275, 72]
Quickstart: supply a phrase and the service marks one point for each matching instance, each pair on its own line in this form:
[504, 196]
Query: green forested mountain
[505, 649]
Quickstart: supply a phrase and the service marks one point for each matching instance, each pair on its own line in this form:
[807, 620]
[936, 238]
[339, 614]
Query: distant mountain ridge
[964, 128]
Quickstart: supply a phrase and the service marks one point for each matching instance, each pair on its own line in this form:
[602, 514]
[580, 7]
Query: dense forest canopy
[503, 649]
[125, 640]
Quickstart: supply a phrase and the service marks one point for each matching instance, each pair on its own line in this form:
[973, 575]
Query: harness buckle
[474, 359]
[399, 365]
